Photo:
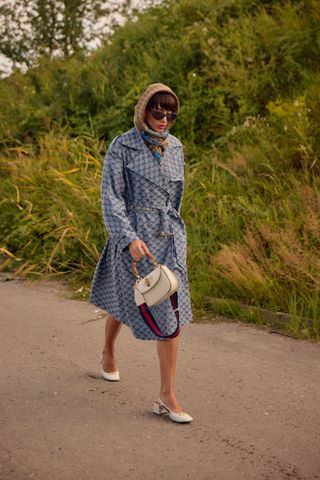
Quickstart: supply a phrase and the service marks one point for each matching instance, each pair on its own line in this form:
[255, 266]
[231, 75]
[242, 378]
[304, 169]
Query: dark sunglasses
[159, 114]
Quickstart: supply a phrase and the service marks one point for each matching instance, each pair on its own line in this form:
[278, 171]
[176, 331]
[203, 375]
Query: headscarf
[155, 141]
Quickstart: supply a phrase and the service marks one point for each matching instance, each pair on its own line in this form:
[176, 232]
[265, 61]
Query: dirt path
[255, 398]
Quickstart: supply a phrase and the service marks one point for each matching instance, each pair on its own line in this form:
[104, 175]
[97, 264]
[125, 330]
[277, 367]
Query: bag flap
[149, 281]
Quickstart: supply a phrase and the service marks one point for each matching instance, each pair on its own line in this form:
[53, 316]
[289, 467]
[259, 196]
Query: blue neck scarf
[155, 141]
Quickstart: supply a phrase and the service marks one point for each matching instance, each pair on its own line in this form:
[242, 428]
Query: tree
[33, 28]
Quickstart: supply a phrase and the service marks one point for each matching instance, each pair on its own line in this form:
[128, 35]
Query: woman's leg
[108, 354]
[167, 352]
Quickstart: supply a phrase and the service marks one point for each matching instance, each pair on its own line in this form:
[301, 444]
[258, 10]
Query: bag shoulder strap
[151, 322]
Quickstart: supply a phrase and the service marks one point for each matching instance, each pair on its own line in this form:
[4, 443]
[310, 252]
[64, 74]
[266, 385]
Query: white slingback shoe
[160, 408]
[110, 376]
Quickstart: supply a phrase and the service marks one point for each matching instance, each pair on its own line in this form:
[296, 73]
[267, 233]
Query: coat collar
[145, 164]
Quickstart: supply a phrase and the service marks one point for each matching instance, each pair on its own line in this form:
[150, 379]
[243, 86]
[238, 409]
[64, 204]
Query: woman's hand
[138, 249]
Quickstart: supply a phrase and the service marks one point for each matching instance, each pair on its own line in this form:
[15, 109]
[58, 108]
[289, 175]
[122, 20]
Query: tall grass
[247, 73]
[253, 223]
[50, 212]
[252, 205]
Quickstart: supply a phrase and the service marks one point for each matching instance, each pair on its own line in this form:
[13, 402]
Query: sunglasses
[159, 114]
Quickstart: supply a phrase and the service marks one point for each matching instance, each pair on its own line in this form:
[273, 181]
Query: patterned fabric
[157, 144]
[141, 198]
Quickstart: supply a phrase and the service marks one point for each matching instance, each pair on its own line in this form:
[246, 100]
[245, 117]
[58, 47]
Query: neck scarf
[155, 141]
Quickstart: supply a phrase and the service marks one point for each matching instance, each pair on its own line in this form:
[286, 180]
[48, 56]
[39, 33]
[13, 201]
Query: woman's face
[157, 125]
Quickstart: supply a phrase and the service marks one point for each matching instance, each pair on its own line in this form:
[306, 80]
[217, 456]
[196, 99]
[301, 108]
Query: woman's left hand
[138, 249]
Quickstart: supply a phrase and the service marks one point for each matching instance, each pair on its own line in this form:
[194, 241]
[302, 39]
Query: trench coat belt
[164, 212]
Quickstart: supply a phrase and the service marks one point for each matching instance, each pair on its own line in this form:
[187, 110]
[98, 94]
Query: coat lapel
[172, 162]
[145, 164]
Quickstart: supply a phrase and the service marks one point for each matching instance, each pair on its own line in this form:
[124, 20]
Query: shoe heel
[158, 409]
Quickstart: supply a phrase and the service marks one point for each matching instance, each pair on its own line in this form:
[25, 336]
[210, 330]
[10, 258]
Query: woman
[142, 186]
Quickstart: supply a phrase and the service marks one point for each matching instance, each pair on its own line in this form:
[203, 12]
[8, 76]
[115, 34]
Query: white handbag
[155, 288]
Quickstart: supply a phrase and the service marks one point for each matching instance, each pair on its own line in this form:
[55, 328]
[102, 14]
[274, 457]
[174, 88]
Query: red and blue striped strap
[151, 322]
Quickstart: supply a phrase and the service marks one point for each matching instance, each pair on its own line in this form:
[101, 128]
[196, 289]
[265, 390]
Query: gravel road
[254, 396]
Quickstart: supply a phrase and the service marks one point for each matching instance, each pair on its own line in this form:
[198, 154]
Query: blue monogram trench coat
[141, 198]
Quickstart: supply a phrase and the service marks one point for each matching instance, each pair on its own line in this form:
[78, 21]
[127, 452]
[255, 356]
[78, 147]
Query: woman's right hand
[138, 249]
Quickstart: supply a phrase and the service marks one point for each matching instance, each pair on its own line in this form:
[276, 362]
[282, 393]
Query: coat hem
[152, 336]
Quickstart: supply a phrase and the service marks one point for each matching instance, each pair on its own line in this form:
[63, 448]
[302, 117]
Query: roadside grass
[50, 211]
[250, 206]
[247, 74]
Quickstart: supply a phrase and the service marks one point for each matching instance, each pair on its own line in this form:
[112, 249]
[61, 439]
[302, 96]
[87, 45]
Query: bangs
[163, 100]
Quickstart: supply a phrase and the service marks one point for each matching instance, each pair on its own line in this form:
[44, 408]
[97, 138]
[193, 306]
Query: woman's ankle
[167, 394]
[170, 400]
[108, 351]
[108, 361]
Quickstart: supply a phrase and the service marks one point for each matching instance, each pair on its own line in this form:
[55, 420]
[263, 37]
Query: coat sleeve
[113, 196]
